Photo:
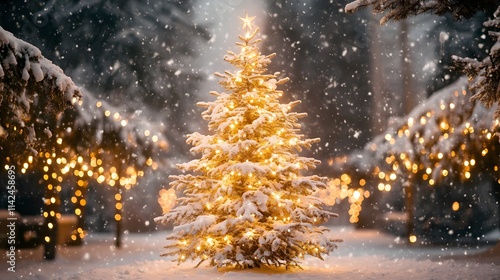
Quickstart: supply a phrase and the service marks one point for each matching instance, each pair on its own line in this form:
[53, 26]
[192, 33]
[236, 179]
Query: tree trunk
[376, 78]
[51, 213]
[119, 216]
[409, 93]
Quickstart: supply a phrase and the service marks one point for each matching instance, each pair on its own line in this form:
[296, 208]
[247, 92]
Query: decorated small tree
[245, 203]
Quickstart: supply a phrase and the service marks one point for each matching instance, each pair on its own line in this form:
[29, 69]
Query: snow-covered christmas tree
[245, 202]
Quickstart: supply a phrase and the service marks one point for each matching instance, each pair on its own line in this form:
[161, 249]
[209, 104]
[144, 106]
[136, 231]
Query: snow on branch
[33, 92]
[484, 76]
[401, 9]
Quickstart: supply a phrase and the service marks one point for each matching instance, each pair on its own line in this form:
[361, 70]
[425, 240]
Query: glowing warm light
[346, 179]
[167, 199]
[271, 145]
[412, 238]
[100, 179]
[410, 122]
[248, 22]
[210, 241]
[356, 195]
[455, 206]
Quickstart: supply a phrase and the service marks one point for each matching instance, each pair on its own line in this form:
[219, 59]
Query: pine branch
[484, 76]
[395, 10]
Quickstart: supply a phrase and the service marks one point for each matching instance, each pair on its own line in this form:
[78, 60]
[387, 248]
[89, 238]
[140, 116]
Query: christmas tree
[245, 203]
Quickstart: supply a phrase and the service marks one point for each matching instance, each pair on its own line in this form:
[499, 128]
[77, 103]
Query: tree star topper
[247, 22]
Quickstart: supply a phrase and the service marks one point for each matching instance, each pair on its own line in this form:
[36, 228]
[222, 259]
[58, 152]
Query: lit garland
[115, 151]
[98, 165]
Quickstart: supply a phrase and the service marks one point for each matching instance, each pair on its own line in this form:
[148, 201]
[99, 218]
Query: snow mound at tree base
[351, 267]
[364, 254]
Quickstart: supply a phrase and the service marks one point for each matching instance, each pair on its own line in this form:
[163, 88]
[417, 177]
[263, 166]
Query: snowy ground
[364, 254]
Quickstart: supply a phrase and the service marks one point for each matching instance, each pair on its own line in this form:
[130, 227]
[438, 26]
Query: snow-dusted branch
[33, 93]
[484, 76]
[395, 10]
